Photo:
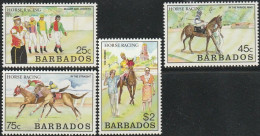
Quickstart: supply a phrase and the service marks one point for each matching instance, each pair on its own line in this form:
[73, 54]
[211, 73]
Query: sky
[61, 80]
[132, 52]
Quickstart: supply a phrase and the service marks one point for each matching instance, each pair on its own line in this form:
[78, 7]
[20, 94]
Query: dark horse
[210, 29]
[130, 82]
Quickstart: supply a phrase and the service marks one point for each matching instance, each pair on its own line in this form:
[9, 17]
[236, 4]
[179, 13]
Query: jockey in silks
[197, 21]
[34, 83]
[51, 87]
[124, 67]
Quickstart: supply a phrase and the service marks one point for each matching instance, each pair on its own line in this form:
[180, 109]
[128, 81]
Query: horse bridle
[17, 90]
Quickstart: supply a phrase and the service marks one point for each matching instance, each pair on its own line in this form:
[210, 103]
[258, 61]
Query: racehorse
[66, 97]
[209, 30]
[29, 98]
[130, 83]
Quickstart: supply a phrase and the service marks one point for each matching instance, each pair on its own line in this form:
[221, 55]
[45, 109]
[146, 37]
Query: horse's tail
[182, 33]
[77, 97]
[63, 89]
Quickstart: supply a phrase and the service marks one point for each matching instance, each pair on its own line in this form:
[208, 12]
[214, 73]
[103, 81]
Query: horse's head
[219, 21]
[130, 63]
[17, 90]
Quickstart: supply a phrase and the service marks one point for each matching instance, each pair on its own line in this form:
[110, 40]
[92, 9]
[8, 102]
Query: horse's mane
[213, 19]
[25, 90]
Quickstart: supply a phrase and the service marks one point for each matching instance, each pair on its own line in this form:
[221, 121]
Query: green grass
[69, 45]
[67, 116]
[129, 113]
[233, 38]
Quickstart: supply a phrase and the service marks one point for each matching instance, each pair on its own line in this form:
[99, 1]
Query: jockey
[42, 30]
[197, 21]
[32, 37]
[124, 67]
[51, 87]
[34, 83]
[58, 29]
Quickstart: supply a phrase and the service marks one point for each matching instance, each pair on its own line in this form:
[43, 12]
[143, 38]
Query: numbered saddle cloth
[58, 96]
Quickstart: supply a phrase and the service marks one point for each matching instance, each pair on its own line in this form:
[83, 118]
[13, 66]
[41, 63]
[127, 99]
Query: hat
[50, 83]
[122, 54]
[147, 69]
[32, 18]
[41, 15]
[16, 17]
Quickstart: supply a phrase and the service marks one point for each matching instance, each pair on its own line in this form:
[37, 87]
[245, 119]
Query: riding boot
[45, 49]
[41, 50]
[55, 49]
[37, 97]
[30, 51]
[61, 49]
[35, 50]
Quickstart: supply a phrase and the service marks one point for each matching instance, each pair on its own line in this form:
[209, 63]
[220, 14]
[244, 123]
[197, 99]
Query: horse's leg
[36, 109]
[74, 110]
[191, 38]
[184, 47]
[69, 102]
[20, 110]
[214, 41]
[130, 92]
[51, 106]
[207, 44]
[78, 112]
[42, 111]
[134, 87]
[56, 109]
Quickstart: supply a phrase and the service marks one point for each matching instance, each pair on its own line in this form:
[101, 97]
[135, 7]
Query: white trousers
[43, 39]
[114, 104]
[57, 36]
[32, 40]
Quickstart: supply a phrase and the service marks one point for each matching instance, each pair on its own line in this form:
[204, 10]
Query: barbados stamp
[57, 102]
[49, 35]
[211, 34]
[130, 86]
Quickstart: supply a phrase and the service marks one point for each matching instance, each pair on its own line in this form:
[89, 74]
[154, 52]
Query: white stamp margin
[159, 132]
[94, 114]
[54, 64]
[194, 64]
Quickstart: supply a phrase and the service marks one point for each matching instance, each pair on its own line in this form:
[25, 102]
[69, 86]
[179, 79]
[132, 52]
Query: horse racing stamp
[211, 34]
[130, 88]
[47, 103]
[49, 35]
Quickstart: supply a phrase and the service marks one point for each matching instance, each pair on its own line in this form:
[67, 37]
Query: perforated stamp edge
[159, 86]
[194, 64]
[94, 64]
[94, 97]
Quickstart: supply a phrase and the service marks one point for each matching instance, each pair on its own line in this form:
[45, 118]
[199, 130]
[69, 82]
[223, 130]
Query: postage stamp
[211, 34]
[57, 102]
[130, 86]
[49, 35]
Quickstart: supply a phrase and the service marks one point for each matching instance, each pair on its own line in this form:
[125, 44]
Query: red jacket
[15, 41]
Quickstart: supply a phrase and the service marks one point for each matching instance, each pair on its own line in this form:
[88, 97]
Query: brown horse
[66, 97]
[210, 29]
[29, 98]
[130, 83]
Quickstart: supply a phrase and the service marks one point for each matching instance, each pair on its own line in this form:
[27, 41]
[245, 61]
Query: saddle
[57, 96]
[199, 30]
